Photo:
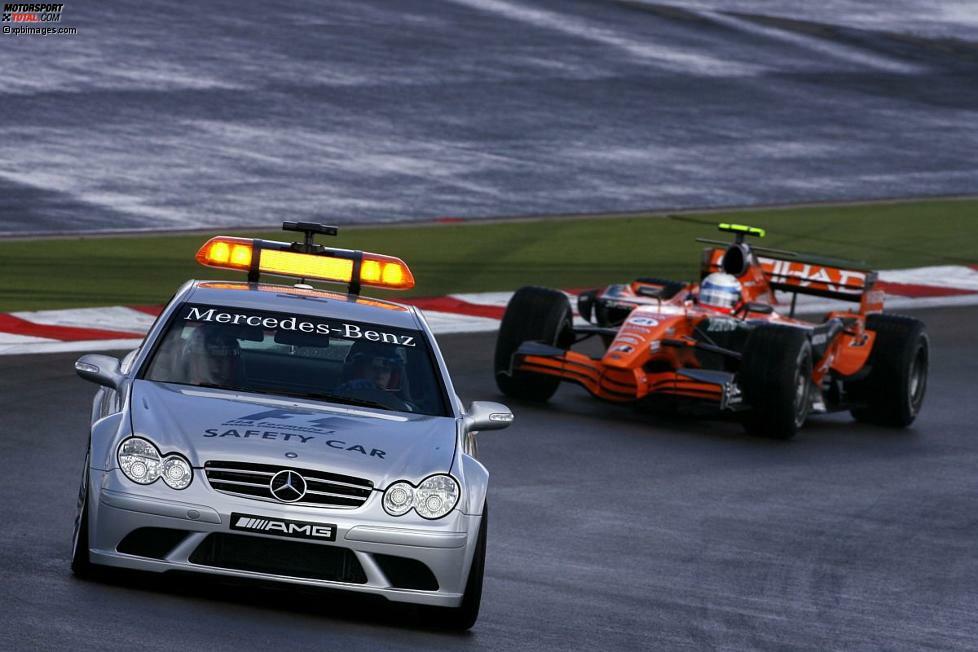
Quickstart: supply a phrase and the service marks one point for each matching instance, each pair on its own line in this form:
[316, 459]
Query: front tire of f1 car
[464, 616]
[81, 564]
[775, 375]
[533, 314]
[894, 390]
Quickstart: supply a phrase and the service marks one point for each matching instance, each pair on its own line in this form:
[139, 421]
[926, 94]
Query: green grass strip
[474, 257]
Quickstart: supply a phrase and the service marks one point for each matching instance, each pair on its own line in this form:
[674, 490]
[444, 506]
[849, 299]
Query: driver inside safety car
[214, 357]
[720, 292]
[371, 369]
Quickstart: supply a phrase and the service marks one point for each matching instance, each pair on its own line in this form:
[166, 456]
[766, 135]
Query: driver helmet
[214, 355]
[720, 291]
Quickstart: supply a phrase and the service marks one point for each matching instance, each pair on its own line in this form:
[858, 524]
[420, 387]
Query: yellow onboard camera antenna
[742, 229]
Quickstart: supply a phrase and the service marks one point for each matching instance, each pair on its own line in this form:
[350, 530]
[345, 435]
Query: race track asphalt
[156, 116]
[609, 531]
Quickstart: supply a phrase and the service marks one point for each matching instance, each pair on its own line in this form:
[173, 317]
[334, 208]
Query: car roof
[303, 301]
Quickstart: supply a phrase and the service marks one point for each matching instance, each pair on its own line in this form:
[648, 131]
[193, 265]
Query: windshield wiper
[213, 386]
[323, 396]
[339, 398]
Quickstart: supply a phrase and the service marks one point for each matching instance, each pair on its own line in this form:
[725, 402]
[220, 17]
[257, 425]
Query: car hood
[220, 425]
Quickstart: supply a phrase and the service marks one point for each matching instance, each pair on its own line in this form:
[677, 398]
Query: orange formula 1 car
[723, 342]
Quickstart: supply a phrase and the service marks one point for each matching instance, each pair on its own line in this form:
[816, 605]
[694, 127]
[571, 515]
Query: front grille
[276, 557]
[253, 481]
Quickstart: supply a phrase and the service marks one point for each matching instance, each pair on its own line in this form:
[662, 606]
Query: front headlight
[399, 499]
[139, 460]
[434, 498]
[142, 463]
[177, 473]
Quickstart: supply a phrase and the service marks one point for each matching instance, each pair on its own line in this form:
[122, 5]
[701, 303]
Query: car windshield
[302, 356]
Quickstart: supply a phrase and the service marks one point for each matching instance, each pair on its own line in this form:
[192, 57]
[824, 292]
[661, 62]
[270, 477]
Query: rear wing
[821, 277]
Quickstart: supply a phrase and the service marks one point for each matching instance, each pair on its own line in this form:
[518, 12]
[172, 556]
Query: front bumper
[445, 547]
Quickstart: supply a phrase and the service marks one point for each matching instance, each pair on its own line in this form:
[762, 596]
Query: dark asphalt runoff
[158, 115]
[609, 531]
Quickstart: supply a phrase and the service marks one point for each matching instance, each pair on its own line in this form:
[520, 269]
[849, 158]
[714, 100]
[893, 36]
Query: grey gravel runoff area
[609, 530]
[164, 116]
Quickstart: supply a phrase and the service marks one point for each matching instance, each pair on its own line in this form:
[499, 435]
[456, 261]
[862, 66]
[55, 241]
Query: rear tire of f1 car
[81, 564]
[894, 390]
[533, 314]
[464, 616]
[775, 375]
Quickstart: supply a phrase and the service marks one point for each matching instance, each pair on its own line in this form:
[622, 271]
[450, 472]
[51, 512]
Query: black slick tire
[775, 375]
[81, 564]
[464, 616]
[893, 392]
[533, 314]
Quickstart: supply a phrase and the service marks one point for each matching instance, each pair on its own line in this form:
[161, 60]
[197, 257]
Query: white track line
[946, 276]
[444, 323]
[67, 347]
[112, 318]
[7, 339]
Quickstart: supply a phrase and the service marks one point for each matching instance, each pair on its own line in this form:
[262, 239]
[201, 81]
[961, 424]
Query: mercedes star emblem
[288, 486]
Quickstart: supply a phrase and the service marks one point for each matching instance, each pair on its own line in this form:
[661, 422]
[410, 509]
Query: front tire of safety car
[533, 314]
[894, 390]
[775, 375]
[463, 617]
[81, 564]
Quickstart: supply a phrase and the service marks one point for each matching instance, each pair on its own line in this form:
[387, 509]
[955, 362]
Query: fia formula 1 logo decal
[643, 321]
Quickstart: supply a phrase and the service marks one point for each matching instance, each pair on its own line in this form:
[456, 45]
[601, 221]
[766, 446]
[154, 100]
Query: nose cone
[632, 346]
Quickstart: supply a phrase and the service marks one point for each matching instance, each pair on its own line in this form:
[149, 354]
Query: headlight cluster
[435, 497]
[142, 463]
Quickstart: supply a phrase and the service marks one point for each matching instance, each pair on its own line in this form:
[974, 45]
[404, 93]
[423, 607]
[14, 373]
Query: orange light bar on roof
[290, 263]
[226, 253]
[278, 258]
[385, 271]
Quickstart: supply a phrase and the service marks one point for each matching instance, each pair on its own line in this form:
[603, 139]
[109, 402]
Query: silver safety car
[291, 434]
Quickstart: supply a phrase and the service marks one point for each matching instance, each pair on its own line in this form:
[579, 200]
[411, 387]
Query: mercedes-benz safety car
[289, 434]
[725, 342]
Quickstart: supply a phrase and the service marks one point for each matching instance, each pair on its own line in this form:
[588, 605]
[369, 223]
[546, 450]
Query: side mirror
[485, 415]
[100, 369]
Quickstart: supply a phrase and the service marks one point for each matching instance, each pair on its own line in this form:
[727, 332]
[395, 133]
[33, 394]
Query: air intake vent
[153, 542]
[405, 573]
[274, 557]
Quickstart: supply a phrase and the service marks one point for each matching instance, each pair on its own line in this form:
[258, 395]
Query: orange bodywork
[655, 350]
[622, 385]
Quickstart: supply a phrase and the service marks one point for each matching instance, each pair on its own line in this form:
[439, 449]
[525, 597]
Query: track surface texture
[609, 531]
[242, 113]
